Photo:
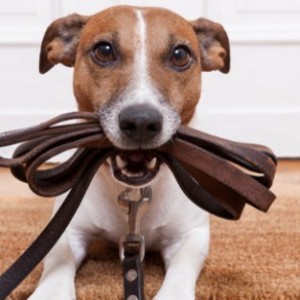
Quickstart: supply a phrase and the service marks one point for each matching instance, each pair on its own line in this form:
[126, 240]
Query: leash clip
[133, 243]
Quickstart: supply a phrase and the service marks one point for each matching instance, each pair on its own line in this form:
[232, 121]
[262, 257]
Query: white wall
[258, 101]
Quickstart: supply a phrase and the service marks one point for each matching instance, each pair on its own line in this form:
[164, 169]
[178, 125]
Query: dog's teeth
[126, 173]
[120, 162]
[151, 164]
[140, 174]
[132, 175]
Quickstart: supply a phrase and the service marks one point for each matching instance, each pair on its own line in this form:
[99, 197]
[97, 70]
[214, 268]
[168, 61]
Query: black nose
[140, 123]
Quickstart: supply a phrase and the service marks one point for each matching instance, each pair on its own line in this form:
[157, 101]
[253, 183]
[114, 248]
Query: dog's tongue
[135, 156]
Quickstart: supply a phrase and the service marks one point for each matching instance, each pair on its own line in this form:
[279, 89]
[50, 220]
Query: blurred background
[258, 101]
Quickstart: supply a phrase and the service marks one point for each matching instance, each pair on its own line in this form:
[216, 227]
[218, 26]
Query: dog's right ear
[214, 45]
[60, 42]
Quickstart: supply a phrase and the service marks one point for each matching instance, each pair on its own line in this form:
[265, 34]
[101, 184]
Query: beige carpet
[257, 257]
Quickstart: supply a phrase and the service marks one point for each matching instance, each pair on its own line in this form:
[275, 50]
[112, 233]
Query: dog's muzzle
[135, 131]
[139, 126]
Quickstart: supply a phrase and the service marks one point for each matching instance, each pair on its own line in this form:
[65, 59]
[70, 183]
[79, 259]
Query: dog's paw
[51, 296]
[54, 292]
[174, 295]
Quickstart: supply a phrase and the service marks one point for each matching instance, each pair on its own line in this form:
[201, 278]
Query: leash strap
[133, 278]
[218, 175]
[52, 232]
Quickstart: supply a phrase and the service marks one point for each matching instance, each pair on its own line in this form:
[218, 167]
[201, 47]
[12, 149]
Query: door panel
[257, 102]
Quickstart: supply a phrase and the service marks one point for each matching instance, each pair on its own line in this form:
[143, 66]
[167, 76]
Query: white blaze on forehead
[141, 89]
[141, 61]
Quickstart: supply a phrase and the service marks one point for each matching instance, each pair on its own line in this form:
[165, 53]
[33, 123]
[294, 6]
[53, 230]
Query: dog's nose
[140, 123]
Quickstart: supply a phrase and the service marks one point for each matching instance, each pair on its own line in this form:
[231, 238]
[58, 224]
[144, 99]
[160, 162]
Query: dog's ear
[60, 42]
[214, 45]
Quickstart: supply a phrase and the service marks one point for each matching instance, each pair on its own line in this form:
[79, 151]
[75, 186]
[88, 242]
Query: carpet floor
[257, 257]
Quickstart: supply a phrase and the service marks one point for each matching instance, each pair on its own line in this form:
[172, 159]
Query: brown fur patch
[71, 41]
[165, 31]
[95, 85]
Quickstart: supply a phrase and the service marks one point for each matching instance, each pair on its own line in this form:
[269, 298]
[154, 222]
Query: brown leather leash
[218, 175]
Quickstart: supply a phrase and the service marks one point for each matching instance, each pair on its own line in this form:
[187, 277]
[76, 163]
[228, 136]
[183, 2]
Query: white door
[257, 102]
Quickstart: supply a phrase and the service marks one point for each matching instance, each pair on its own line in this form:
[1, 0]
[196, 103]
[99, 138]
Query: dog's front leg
[57, 280]
[183, 261]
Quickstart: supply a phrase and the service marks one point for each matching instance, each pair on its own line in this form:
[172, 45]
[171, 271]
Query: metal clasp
[135, 207]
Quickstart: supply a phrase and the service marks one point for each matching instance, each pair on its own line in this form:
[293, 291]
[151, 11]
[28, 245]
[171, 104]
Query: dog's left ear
[60, 42]
[214, 45]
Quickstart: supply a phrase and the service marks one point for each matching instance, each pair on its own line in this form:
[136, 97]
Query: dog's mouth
[135, 168]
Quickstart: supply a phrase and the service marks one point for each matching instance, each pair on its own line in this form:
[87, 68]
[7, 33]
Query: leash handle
[203, 165]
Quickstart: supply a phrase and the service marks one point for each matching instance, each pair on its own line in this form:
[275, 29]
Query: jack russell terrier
[140, 69]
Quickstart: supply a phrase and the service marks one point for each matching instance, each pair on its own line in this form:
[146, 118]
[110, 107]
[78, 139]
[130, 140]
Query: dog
[140, 70]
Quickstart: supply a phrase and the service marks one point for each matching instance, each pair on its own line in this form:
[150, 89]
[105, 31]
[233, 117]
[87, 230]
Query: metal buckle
[134, 242]
[131, 244]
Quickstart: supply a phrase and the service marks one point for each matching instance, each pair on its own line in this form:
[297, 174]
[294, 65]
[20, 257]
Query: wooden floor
[255, 258]
[9, 186]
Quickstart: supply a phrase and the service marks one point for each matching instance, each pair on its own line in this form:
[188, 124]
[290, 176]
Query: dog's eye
[104, 53]
[180, 57]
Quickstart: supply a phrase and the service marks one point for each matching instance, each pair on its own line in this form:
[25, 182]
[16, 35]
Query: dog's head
[140, 69]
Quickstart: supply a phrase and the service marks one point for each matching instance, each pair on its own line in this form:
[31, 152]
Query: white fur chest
[170, 215]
